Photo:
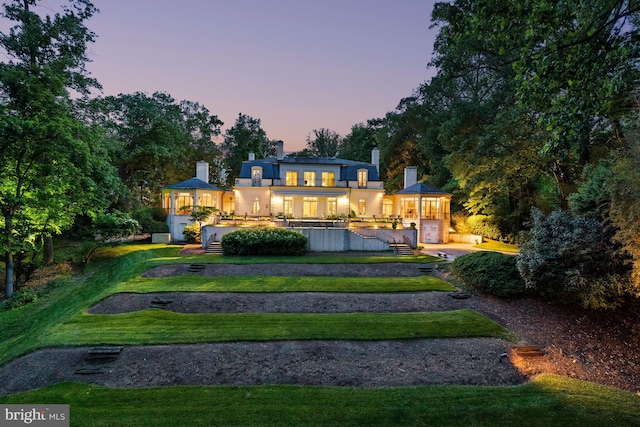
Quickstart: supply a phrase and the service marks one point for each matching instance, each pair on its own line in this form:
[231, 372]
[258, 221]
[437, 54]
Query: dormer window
[362, 178]
[256, 176]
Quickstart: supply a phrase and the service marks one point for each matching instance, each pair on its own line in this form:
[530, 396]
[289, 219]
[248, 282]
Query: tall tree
[43, 156]
[573, 64]
[157, 140]
[325, 143]
[244, 137]
[359, 143]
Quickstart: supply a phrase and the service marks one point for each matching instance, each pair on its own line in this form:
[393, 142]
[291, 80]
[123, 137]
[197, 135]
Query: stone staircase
[401, 249]
[214, 248]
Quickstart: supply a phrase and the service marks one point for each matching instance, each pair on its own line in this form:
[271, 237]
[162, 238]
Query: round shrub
[264, 241]
[192, 233]
[490, 272]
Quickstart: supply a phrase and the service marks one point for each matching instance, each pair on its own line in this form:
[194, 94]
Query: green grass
[26, 329]
[59, 318]
[493, 245]
[29, 328]
[547, 401]
[308, 259]
[162, 327]
[193, 283]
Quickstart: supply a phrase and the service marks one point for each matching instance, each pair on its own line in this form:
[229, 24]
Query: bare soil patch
[329, 363]
[290, 302]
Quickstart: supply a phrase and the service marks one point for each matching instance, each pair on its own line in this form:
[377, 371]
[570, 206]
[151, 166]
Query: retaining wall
[318, 239]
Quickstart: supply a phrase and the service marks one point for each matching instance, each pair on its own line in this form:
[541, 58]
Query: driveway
[452, 250]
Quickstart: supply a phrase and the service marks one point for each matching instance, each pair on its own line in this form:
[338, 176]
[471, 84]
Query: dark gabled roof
[350, 173]
[319, 161]
[269, 167]
[192, 184]
[421, 188]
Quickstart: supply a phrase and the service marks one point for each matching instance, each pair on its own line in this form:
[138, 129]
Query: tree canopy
[155, 140]
[46, 157]
[244, 137]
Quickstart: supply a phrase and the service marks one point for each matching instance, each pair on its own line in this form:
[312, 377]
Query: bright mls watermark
[34, 415]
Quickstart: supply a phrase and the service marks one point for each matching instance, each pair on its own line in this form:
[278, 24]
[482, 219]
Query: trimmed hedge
[264, 241]
[490, 272]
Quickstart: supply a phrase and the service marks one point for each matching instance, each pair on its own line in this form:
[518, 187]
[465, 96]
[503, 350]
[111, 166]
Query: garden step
[401, 249]
[103, 354]
[459, 295]
[528, 351]
[196, 268]
[160, 303]
[214, 248]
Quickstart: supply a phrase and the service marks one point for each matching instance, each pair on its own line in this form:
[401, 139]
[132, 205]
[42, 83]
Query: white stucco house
[285, 190]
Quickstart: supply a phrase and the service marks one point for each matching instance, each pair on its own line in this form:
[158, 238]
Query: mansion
[312, 192]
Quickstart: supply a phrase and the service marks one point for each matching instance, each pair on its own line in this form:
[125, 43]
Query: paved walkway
[453, 250]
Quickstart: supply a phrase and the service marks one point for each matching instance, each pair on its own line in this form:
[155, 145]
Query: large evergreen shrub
[264, 241]
[151, 220]
[490, 272]
[572, 259]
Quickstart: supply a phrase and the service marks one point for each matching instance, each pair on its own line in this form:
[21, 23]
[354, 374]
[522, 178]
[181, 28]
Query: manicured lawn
[547, 401]
[493, 245]
[194, 283]
[308, 259]
[59, 318]
[26, 329]
[163, 327]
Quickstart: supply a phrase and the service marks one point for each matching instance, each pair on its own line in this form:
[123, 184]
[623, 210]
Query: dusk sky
[297, 65]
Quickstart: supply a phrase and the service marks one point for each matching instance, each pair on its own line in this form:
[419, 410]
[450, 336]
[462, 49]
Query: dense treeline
[534, 108]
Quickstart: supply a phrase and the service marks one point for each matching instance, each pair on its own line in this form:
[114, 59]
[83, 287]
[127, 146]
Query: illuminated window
[430, 208]
[288, 206]
[387, 208]
[362, 178]
[328, 179]
[255, 209]
[292, 178]
[184, 201]
[332, 206]
[310, 179]
[362, 206]
[256, 176]
[310, 207]
[409, 207]
[205, 199]
[166, 200]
